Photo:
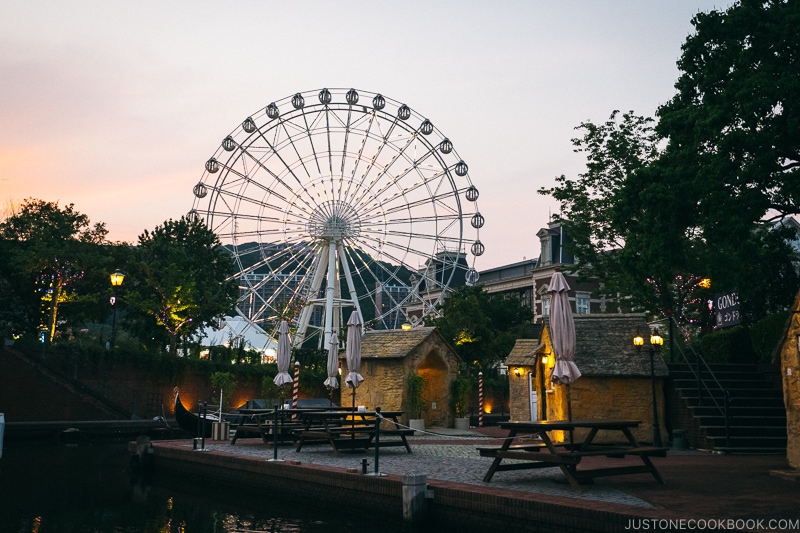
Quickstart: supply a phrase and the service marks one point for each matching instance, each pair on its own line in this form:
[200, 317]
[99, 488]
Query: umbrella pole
[569, 415]
[353, 416]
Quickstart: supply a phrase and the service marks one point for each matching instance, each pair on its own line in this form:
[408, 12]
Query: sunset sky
[115, 106]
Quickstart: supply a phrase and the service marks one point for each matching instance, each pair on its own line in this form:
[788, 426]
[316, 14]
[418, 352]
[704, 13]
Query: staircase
[757, 414]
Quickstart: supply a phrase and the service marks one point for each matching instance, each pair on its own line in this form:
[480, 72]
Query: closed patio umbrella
[353, 353]
[333, 365]
[562, 335]
[284, 354]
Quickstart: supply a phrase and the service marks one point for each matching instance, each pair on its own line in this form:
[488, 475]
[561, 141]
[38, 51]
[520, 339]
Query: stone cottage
[388, 357]
[789, 354]
[615, 381]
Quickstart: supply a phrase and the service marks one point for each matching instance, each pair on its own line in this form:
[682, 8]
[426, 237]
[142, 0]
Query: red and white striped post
[480, 399]
[295, 387]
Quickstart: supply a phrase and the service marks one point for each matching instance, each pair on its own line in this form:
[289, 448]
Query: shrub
[730, 345]
[766, 334]
[415, 383]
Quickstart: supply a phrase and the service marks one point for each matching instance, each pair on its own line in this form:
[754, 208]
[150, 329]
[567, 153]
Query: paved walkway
[699, 485]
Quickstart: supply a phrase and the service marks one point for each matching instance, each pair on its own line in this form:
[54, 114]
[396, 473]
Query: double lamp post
[656, 341]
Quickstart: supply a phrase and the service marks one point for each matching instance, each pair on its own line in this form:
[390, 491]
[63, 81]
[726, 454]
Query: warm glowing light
[656, 339]
[463, 338]
[638, 341]
[406, 327]
[705, 283]
[545, 359]
[117, 278]
[487, 409]
[516, 372]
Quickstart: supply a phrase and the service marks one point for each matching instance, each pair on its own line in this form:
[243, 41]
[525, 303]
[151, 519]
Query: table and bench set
[530, 446]
[342, 429]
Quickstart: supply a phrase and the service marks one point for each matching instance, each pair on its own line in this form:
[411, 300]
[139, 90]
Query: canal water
[91, 488]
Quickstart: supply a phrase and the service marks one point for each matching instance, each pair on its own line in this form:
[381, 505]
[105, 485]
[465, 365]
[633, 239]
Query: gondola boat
[190, 422]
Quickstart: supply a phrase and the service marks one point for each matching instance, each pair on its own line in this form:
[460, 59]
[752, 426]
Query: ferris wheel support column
[329, 292]
[350, 285]
[316, 283]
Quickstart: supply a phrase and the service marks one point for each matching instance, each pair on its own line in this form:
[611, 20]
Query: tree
[482, 328]
[54, 256]
[182, 277]
[650, 223]
[734, 130]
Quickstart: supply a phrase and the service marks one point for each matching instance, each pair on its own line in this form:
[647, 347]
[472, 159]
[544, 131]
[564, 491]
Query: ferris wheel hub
[334, 220]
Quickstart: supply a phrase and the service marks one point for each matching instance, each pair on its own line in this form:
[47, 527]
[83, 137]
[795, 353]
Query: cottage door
[533, 397]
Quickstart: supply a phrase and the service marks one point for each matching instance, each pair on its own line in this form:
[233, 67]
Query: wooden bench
[492, 451]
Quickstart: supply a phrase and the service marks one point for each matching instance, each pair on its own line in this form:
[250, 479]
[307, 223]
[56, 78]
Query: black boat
[190, 422]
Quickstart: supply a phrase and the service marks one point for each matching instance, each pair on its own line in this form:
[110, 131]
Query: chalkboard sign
[726, 307]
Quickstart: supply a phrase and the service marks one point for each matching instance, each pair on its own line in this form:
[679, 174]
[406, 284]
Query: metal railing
[696, 368]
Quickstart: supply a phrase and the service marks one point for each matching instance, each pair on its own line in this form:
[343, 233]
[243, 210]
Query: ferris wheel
[339, 199]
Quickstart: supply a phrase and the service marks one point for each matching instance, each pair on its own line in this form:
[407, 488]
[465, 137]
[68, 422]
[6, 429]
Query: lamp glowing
[117, 278]
[406, 327]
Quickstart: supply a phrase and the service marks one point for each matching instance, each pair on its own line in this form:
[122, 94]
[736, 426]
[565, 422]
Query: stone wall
[519, 397]
[628, 398]
[790, 371]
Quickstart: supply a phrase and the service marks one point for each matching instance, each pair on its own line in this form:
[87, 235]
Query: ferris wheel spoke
[277, 153]
[386, 167]
[277, 178]
[311, 141]
[420, 202]
[374, 159]
[396, 179]
[365, 266]
[365, 136]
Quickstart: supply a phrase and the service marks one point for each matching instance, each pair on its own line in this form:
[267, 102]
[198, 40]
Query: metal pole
[378, 419]
[114, 324]
[275, 433]
[656, 428]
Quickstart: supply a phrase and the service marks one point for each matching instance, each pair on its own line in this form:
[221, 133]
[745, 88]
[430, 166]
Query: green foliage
[460, 389]
[180, 279]
[55, 268]
[699, 193]
[415, 384]
[766, 334]
[729, 345]
[481, 328]
[226, 382]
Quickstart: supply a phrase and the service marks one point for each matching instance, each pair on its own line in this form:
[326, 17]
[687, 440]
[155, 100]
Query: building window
[546, 306]
[582, 304]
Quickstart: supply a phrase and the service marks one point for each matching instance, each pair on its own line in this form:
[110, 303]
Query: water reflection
[91, 488]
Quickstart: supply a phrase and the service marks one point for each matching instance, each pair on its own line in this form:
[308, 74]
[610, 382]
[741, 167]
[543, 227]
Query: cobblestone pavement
[442, 454]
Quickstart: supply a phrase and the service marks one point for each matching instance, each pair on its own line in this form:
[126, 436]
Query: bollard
[275, 435]
[363, 466]
[415, 505]
[203, 433]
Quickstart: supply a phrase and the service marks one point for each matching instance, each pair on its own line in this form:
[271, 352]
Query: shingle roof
[605, 346]
[392, 343]
[523, 352]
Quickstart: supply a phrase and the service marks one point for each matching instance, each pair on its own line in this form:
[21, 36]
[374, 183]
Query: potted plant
[459, 401]
[415, 384]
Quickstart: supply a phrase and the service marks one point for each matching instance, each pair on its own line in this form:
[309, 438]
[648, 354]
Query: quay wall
[450, 507]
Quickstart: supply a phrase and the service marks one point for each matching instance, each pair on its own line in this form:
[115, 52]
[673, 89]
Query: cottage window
[546, 306]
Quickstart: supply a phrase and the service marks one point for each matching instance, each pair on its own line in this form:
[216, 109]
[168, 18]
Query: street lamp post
[656, 341]
[116, 280]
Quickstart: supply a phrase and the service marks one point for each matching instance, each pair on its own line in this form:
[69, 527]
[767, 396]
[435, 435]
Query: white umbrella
[562, 335]
[333, 364]
[284, 354]
[354, 379]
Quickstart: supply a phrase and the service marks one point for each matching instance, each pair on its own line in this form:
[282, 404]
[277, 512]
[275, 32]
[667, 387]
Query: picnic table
[261, 423]
[537, 450]
[349, 429]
